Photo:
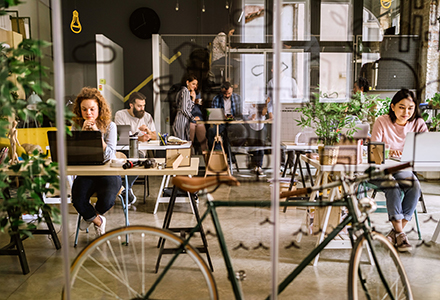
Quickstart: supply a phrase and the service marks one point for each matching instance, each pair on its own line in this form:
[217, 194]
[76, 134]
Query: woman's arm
[109, 142]
[186, 106]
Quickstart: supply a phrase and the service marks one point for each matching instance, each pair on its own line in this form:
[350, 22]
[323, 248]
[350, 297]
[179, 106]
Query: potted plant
[362, 106]
[327, 119]
[433, 120]
[36, 174]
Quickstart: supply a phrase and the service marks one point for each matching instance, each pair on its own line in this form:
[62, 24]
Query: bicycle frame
[352, 217]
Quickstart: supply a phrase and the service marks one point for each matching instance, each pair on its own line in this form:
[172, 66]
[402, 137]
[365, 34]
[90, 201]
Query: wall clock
[144, 22]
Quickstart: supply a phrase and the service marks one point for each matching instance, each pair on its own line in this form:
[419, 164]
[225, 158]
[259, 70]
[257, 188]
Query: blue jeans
[106, 188]
[399, 209]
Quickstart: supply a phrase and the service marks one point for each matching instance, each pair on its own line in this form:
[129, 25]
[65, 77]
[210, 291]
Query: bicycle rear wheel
[364, 281]
[108, 268]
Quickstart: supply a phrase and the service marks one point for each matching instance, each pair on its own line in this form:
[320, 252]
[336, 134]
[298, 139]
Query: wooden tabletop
[106, 170]
[217, 122]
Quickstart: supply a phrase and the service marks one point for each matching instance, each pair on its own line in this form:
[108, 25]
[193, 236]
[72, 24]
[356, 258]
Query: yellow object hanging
[386, 3]
[75, 25]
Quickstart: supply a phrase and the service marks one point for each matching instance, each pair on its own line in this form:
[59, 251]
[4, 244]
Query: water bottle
[133, 151]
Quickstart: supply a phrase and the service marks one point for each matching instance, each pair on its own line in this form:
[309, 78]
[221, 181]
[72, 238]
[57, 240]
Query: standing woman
[185, 105]
[93, 114]
[403, 117]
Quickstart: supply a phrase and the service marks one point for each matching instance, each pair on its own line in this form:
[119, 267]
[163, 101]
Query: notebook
[421, 147]
[215, 114]
[83, 148]
[123, 134]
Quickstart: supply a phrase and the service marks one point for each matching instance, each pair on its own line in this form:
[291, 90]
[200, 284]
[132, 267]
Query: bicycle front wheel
[368, 262]
[109, 268]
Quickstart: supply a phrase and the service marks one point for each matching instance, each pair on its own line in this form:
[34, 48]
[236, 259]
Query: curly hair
[105, 114]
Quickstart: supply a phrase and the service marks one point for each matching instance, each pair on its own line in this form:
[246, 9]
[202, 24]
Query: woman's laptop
[123, 134]
[83, 148]
[421, 147]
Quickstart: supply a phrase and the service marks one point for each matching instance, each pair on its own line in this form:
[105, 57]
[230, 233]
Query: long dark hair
[403, 94]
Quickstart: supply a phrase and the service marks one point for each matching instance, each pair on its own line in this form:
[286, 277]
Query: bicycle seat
[195, 184]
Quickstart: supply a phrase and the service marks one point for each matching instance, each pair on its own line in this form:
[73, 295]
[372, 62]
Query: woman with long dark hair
[403, 117]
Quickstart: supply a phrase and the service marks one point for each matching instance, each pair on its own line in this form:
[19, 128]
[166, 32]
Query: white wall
[110, 76]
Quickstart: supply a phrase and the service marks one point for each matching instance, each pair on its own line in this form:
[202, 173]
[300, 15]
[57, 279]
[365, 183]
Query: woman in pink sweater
[403, 117]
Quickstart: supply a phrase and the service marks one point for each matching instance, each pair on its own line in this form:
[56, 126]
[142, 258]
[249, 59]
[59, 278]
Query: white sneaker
[131, 197]
[83, 224]
[100, 230]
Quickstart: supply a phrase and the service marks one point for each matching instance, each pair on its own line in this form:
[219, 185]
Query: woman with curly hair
[93, 113]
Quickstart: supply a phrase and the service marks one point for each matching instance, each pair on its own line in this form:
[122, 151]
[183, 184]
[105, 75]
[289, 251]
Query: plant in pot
[433, 119]
[362, 106]
[34, 172]
[327, 120]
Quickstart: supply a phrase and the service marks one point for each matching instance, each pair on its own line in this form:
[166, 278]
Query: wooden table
[106, 170]
[321, 177]
[218, 139]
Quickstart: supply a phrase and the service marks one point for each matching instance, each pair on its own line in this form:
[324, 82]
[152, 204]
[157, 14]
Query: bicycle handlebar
[394, 169]
[297, 192]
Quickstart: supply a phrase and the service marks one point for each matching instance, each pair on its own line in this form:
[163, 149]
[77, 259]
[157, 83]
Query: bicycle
[125, 270]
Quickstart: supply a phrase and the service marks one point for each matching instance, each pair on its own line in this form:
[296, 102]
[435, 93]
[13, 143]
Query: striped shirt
[184, 115]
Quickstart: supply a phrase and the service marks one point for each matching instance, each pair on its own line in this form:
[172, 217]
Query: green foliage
[327, 118]
[361, 105]
[383, 106]
[434, 103]
[37, 175]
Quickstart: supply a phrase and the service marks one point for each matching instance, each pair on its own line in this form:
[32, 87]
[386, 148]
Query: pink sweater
[394, 135]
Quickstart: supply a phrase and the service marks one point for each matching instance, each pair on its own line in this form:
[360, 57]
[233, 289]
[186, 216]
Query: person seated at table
[361, 85]
[403, 117]
[93, 113]
[185, 104]
[140, 122]
[197, 130]
[230, 102]
[257, 133]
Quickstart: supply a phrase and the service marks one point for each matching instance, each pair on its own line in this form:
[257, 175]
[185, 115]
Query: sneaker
[131, 196]
[391, 237]
[83, 224]
[402, 243]
[100, 230]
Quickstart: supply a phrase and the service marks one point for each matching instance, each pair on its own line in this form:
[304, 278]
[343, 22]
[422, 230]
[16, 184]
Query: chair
[93, 200]
[145, 181]
[381, 205]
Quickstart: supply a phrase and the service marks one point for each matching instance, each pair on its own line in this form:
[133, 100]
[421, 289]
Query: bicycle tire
[108, 268]
[364, 281]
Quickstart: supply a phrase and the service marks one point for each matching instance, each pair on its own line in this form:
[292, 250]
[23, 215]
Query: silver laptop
[421, 147]
[123, 134]
[216, 114]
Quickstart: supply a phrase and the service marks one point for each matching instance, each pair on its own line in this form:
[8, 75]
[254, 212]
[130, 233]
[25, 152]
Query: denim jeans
[106, 188]
[399, 209]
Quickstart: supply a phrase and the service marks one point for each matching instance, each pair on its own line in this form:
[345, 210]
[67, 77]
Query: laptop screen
[123, 134]
[215, 114]
[83, 147]
[421, 147]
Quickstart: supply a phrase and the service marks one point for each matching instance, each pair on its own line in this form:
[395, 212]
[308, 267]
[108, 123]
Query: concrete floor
[327, 280]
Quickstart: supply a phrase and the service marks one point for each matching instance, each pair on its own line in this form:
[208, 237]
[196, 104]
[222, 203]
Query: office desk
[106, 170]
[218, 139]
[154, 145]
[299, 150]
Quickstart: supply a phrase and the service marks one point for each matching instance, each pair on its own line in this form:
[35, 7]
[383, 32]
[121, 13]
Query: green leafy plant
[433, 122]
[326, 118]
[36, 175]
[383, 106]
[361, 106]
